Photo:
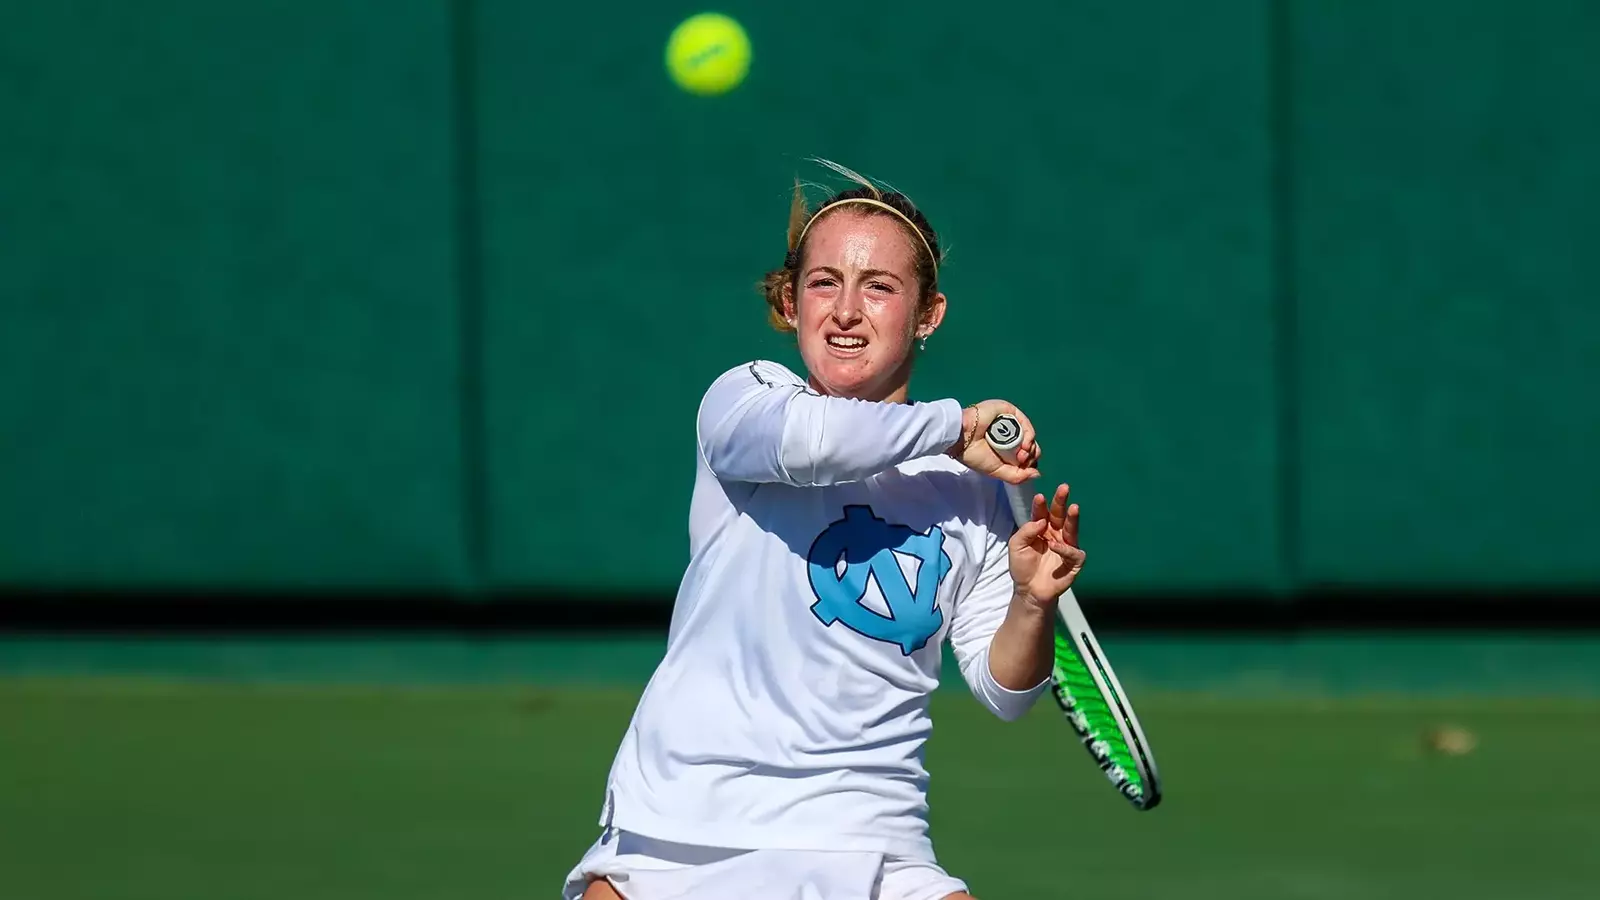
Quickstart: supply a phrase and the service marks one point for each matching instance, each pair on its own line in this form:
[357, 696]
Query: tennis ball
[708, 53]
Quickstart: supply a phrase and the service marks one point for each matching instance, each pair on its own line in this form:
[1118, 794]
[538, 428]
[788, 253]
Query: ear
[789, 313]
[932, 318]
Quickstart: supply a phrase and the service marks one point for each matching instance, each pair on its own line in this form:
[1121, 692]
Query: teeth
[842, 341]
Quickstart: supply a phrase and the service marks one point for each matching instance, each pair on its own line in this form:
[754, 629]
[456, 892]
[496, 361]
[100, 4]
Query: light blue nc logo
[867, 546]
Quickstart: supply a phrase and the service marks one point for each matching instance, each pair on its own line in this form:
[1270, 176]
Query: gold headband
[879, 203]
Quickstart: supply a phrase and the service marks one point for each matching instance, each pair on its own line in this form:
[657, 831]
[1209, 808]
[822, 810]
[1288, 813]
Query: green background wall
[1447, 166]
[295, 295]
[228, 348]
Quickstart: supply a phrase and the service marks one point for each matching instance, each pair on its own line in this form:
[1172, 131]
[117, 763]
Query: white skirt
[642, 868]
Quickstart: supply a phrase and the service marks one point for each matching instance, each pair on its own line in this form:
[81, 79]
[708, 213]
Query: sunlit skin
[854, 307]
[858, 286]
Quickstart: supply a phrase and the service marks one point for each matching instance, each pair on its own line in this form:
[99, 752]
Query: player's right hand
[975, 453]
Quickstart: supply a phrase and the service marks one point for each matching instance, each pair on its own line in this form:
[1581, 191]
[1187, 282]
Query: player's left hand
[1044, 554]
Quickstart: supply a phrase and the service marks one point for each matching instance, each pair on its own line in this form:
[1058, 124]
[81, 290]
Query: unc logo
[868, 544]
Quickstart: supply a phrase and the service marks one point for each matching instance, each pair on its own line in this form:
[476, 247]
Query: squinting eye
[880, 286]
[820, 282]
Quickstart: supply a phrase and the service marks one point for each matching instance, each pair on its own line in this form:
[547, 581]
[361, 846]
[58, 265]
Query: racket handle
[1004, 434]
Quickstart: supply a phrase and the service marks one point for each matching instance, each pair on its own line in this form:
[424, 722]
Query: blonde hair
[875, 201]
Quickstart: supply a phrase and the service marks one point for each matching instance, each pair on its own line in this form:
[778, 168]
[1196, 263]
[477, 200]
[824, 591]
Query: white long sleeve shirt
[834, 547]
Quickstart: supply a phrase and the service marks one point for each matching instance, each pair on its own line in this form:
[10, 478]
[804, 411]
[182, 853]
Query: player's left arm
[1003, 631]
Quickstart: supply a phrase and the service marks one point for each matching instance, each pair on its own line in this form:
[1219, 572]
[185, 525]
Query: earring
[924, 342]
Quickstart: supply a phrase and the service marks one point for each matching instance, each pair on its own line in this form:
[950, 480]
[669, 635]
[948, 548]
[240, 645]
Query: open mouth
[846, 344]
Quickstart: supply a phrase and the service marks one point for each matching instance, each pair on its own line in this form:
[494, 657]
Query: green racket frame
[1097, 708]
[1081, 679]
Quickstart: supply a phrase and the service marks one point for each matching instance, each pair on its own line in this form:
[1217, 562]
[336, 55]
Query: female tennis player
[839, 533]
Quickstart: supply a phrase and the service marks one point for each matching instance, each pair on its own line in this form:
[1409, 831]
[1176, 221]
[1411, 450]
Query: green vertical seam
[1285, 298]
[471, 383]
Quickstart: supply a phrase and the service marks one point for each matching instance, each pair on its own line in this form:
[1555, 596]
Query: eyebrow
[865, 273]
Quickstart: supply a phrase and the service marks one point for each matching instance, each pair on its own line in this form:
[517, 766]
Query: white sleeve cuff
[951, 412]
[1009, 705]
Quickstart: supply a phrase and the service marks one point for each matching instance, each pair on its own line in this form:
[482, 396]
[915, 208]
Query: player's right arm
[758, 423]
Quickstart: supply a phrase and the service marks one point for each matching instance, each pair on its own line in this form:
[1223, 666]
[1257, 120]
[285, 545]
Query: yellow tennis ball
[708, 53]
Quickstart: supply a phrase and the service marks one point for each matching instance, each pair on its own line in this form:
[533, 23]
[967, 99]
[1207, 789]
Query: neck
[896, 388]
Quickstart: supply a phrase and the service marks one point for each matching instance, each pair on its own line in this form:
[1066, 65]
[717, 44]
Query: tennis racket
[1081, 679]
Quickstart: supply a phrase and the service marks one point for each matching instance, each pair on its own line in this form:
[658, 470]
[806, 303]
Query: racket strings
[1097, 724]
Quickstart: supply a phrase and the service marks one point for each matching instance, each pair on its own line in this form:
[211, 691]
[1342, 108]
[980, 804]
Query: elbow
[1006, 704]
[1010, 709]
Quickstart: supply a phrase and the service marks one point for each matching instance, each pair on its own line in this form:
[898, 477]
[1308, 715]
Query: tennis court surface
[270, 780]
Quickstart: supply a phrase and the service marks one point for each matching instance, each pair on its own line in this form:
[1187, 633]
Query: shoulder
[747, 383]
[760, 372]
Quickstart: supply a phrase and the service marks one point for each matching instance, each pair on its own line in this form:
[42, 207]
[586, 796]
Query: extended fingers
[1058, 508]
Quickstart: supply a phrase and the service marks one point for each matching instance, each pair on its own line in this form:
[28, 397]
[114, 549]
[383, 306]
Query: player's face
[855, 307]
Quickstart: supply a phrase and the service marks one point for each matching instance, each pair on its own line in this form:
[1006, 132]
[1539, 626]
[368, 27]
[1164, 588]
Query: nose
[847, 310]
